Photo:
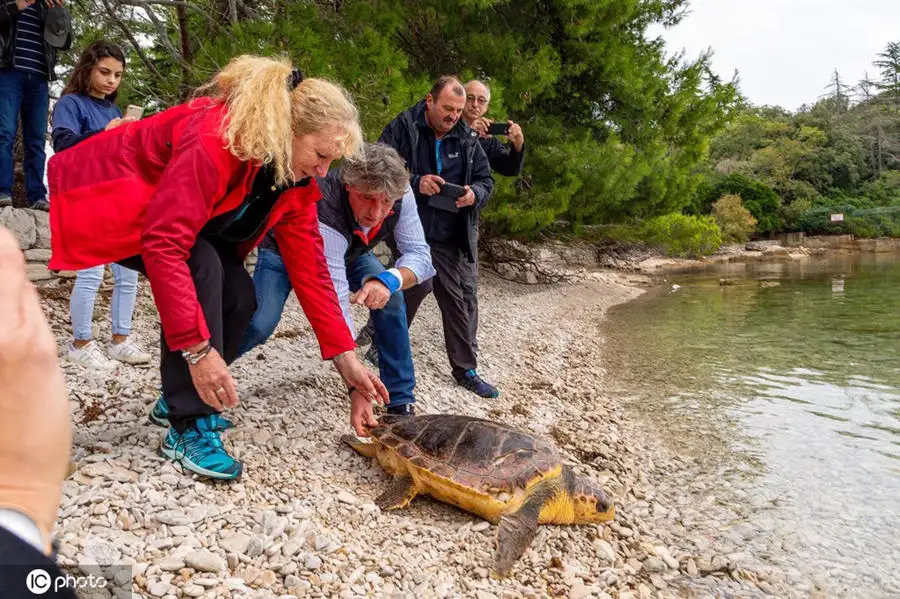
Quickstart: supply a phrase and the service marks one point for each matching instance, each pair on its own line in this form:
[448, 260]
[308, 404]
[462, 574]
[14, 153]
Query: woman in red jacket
[183, 196]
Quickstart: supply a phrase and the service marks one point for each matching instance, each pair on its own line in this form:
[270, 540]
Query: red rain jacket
[147, 188]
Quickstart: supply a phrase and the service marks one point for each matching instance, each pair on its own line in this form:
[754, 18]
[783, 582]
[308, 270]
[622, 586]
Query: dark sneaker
[40, 205]
[159, 414]
[5, 200]
[199, 449]
[365, 337]
[471, 381]
[406, 409]
[372, 356]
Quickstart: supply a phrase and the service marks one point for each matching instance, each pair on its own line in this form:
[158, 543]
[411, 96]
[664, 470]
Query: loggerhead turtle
[501, 474]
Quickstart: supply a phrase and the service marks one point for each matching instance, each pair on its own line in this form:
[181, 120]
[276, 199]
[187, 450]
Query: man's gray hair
[376, 169]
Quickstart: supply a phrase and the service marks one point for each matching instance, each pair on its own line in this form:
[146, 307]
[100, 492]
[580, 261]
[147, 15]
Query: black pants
[455, 288]
[226, 295]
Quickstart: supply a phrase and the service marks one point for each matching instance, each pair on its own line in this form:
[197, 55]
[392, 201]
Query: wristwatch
[193, 358]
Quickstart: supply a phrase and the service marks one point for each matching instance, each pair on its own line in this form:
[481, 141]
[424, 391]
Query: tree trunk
[186, 53]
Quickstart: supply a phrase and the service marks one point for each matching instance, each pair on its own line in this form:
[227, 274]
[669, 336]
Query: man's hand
[213, 381]
[373, 295]
[361, 415]
[35, 423]
[356, 376]
[466, 199]
[516, 137]
[23, 4]
[430, 185]
[481, 125]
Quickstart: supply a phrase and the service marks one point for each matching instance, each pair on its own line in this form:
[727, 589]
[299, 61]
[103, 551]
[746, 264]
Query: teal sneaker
[159, 414]
[199, 449]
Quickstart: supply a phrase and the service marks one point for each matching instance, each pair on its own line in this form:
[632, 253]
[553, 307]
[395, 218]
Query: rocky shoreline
[302, 523]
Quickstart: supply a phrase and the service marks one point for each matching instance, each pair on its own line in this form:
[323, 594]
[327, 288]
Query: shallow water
[786, 384]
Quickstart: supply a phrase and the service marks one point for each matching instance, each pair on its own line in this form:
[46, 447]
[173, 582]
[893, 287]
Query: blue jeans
[81, 305]
[26, 93]
[391, 332]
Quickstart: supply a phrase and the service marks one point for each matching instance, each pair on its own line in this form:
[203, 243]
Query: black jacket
[414, 140]
[9, 15]
[18, 560]
[503, 157]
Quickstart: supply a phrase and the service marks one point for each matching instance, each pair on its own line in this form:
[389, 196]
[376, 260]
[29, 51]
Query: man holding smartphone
[506, 159]
[451, 179]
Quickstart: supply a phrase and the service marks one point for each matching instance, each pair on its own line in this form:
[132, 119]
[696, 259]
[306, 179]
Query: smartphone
[498, 129]
[451, 190]
[135, 112]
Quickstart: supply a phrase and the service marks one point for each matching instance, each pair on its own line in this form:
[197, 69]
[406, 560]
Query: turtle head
[591, 503]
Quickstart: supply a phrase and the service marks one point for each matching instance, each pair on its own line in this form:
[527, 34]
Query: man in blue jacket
[440, 148]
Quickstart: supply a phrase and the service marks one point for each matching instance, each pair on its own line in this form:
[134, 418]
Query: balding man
[440, 148]
[506, 159]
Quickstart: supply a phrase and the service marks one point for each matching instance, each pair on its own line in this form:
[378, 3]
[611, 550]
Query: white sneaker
[91, 356]
[128, 351]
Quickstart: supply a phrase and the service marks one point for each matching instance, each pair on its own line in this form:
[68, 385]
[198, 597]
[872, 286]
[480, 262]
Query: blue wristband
[390, 280]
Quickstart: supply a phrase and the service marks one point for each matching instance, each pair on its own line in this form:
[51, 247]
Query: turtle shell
[481, 455]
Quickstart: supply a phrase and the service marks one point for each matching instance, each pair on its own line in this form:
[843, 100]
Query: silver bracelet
[193, 358]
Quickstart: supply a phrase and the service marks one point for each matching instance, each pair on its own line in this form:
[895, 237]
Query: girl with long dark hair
[87, 107]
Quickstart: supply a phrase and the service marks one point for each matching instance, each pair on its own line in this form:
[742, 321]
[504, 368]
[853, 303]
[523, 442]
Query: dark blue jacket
[465, 163]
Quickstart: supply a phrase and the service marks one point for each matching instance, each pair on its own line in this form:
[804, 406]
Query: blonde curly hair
[264, 114]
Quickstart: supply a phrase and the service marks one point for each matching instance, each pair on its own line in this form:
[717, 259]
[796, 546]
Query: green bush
[793, 213]
[733, 219]
[681, 235]
[761, 200]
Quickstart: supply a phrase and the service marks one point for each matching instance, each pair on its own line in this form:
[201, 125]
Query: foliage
[845, 148]
[735, 221]
[860, 222]
[681, 235]
[757, 197]
[615, 129]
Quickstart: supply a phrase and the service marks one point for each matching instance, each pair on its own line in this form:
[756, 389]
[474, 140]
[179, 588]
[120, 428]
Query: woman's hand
[356, 376]
[118, 121]
[213, 381]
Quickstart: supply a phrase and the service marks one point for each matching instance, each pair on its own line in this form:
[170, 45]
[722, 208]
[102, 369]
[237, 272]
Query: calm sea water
[786, 384]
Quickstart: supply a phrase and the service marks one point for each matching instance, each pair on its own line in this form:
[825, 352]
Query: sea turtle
[505, 476]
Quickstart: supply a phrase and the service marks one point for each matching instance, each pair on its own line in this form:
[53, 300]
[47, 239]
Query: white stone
[204, 561]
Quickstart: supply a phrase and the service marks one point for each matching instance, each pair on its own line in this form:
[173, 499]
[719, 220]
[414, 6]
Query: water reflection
[790, 391]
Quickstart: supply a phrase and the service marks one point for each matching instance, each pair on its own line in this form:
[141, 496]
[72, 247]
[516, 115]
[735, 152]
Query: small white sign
[835, 218]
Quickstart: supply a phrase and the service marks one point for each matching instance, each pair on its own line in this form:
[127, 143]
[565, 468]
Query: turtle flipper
[361, 447]
[517, 529]
[398, 495]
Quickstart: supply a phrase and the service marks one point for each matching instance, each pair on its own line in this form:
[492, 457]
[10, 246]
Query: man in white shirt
[362, 202]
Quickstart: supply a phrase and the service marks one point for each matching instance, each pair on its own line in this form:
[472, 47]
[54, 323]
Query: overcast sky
[786, 50]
